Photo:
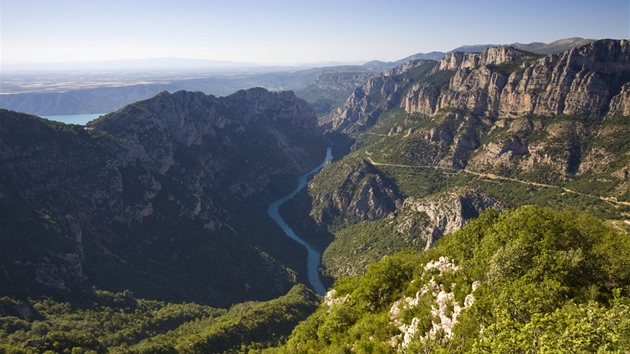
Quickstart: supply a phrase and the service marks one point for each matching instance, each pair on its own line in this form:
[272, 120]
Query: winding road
[492, 176]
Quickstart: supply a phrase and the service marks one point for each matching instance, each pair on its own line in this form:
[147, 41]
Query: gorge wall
[505, 82]
[153, 191]
[503, 115]
[499, 82]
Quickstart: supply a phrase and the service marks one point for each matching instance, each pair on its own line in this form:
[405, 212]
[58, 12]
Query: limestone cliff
[620, 104]
[447, 212]
[503, 111]
[499, 82]
[377, 94]
[503, 82]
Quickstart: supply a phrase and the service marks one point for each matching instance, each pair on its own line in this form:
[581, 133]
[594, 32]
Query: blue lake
[81, 119]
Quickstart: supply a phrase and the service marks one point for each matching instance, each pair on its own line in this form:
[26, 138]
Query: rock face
[505, 82]
[378, 93]
[499, 82]
[341, 81]
[162, 185]
[491, 56]
[361, 193]
[620, 104]
[447, 212]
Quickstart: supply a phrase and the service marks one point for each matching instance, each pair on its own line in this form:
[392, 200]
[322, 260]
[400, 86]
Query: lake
[80, 119]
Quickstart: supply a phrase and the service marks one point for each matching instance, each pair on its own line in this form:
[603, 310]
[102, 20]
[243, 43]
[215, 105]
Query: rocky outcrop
[472, 84]
[444, 307]
[377, 94]
[491, 56]
[620, 104]
[360, 193]
[53, 274]
[359, 110]
[150, 180]
[446, 212]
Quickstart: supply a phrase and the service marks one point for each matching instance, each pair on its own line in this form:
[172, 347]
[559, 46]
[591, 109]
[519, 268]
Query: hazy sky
[283, 31]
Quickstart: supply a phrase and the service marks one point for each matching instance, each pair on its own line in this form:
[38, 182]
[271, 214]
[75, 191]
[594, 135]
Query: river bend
[314, 255]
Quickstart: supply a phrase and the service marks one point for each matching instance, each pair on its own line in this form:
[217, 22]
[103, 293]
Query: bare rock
[447, 212]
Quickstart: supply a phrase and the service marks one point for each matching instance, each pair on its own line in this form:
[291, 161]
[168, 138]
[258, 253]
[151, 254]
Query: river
[314, 255]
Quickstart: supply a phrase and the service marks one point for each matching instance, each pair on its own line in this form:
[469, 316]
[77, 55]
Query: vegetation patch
[107, 322]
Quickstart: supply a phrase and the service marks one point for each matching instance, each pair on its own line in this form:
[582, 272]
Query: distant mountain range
[201, 75]
[222, 65]
[554, 47]
[148, 65]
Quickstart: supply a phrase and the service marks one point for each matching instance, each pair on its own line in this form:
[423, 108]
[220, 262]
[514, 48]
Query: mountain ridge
[486, 74]
[49, 100]
[106, 193]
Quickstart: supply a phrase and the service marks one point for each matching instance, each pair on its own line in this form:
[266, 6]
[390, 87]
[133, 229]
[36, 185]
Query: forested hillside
[525, 280]
[120, 323]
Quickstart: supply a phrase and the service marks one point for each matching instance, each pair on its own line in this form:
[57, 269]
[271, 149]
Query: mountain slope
[165, 197]
[524, 280]
[513, 127]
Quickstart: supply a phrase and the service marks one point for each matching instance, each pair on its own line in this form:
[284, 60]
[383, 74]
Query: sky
[289, 32]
